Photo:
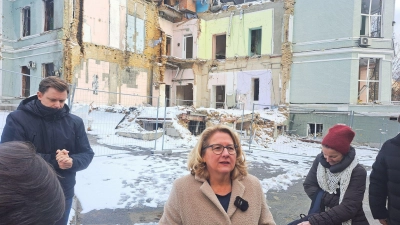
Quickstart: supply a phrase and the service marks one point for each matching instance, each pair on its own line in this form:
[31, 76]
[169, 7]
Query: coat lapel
[237, 190]
[207, 191]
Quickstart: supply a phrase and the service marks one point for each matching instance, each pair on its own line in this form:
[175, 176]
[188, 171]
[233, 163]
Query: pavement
[285, 206]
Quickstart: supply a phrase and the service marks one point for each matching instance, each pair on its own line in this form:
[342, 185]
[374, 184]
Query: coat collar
[237, 190]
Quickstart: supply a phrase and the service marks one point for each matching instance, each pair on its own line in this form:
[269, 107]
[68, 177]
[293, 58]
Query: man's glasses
[218, 149]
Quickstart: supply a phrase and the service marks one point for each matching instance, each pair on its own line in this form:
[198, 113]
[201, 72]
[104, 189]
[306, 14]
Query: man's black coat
[385, 182]
[49, 130]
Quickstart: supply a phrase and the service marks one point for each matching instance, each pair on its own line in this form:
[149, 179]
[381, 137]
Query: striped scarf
[329, 181]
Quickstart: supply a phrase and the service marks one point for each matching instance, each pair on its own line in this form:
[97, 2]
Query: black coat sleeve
[330, 200]
[13, 130]
[350, 205]
[378, 189]
[311, 183]
[83, 155]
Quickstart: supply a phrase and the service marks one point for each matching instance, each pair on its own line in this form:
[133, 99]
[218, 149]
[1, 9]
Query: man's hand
[383, 221]
[63, 159]
[304, 223]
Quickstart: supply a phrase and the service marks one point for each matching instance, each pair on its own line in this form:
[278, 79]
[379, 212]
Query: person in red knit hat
[336, 181]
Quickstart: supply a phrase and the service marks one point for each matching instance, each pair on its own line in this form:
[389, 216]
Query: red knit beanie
[339, 138]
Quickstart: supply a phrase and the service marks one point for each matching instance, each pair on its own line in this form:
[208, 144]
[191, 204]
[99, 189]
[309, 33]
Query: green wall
[237, 44]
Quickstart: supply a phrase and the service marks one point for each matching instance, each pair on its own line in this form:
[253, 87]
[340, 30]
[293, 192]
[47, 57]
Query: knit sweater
[192, 201]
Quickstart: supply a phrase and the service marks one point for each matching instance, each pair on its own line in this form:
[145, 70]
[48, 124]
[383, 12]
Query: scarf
[329, 181]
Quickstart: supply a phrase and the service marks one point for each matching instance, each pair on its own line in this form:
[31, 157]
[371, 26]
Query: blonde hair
[197, 166]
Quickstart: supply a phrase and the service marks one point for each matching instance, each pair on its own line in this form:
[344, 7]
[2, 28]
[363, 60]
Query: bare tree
[396, 70]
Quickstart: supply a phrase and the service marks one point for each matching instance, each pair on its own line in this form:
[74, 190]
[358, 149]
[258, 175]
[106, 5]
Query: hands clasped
[63, 159]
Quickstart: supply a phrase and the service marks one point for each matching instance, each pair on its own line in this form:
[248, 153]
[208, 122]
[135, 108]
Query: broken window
[184, 94]
[188, 47]
[371, 18]
[219, 46]
[167, 94]
[49, 15]
[255, 42]
[220, 96]
[315, 129]
[26, 81]
[168, 45]
[256, 89]
[368, 80]
[26, 21]
[48, 70]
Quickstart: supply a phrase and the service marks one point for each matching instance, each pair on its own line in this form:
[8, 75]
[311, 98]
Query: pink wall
[186, 77]
[96, 22]
[166, 26]
[108, 82]
[177, 31]
[188, 28]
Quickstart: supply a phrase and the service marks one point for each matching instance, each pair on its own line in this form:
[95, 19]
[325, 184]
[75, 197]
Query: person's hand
[63, 159]
[304, 223]
[65, 163]
[62, 152]
[383, 221]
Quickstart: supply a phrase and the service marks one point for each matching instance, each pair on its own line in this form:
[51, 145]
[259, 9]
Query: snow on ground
[125, 175]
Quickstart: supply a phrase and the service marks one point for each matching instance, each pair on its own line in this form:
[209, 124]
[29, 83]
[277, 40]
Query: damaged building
[219, 54]
[222, 54]
[107, 47]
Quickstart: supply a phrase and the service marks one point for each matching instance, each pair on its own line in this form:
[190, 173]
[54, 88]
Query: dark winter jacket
[351, 205]
[49, 130]
[385, 182]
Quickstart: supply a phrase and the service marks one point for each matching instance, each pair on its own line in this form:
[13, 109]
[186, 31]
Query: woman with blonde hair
[218, 189]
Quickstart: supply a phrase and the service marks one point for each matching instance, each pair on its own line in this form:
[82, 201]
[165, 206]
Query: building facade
[112, 47]
[342, 68]
[226, 57]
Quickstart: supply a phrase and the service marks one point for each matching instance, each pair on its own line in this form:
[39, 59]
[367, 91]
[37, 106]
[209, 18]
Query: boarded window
[135, 33]
[219, 46]
[255, 42]
[368, 80]
[371, 18]
[48, 69]
[49, 15]
[26, 21]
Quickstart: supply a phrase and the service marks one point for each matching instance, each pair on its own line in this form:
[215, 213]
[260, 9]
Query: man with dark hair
[30, 193]
[384, 186]
[58, 135]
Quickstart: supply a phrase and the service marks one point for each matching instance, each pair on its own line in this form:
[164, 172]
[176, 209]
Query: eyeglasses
[218, 149]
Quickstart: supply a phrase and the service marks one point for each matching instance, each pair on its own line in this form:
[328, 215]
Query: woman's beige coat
[192, 201]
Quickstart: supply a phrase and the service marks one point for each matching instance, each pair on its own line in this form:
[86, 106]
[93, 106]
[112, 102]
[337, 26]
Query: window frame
[368, 81]
[368, 31]
[23, 11]
[250, 40]
[46, 22]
